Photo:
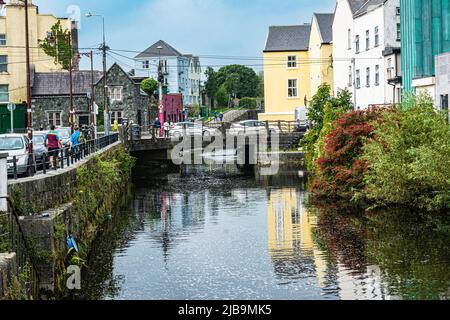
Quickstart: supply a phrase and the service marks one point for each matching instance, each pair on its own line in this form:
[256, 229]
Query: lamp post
[28, 71]
[105, 86]
[160, 81]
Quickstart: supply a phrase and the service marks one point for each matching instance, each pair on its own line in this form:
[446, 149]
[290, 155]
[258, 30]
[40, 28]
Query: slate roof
[355, 5]
[57, 83]
[370, 4]
[325, 22]
[166, 51]
[288, 38]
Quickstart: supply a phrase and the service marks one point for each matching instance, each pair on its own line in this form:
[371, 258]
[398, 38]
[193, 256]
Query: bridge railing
[39, 163]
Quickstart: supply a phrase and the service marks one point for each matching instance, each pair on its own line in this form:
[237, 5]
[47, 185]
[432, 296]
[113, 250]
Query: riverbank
[82, 198]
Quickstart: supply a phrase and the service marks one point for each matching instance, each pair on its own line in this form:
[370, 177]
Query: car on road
[64, 134]
[15, 145]
[250, 127]
[177, 130]
[39, 147]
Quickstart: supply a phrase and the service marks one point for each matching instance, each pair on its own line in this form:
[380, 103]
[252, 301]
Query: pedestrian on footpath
[166, 129]
[157, 126]
[53, 143]
[75, 140]
[221, 117]
[215, 116]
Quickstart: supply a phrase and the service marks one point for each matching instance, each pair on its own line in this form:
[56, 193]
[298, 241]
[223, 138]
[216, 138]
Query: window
[377, 75]
[389, 68]
[367, 39]
[399, 32]
[116, 115]
[349, 39]
[377, 37]
[3, 63]
[145, 64]
[350, 76]
[2, 39]
[54, 118]
[358, 79]
[444, 102]
[367, 77]
[292, 88]
[292, 62]
[397, 9]
[357, 44]
[4, 93]
[115, 93]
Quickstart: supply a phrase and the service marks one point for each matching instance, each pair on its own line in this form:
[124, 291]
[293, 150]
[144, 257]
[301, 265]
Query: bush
[222, 97]
[410, 157]
[247, 103]
[340, 171]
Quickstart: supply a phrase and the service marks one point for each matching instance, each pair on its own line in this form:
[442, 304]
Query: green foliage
[222, 97]
[59, 47]
[410, 157]
[239, 80]
[149, 86]
[211, 85]
[247, 103]
[260, 87]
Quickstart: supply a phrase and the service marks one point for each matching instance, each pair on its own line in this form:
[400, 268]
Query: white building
[366, 37]
[182, 73]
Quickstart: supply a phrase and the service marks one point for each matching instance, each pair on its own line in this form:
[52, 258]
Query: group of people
[53, 142]
[166, 127]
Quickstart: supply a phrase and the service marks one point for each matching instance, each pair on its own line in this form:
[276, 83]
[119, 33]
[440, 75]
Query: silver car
[16, 145]
[177, 130]
[250, 127]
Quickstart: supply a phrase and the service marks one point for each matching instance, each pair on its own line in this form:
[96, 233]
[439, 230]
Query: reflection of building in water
[290, 237]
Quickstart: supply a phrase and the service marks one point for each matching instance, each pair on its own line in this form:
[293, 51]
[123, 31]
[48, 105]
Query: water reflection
[216, 233]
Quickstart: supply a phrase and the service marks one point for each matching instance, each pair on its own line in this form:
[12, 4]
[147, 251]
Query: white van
[301, 119]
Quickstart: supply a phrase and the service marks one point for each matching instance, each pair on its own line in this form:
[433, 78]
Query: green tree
[260, 88]
[57, 46]
[244, 80]
[211, 85]
[149, 86]
[222, 96]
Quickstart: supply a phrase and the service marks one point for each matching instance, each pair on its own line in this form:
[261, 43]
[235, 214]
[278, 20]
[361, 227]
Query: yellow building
[321, 51]
[12, 47]
[286, 71]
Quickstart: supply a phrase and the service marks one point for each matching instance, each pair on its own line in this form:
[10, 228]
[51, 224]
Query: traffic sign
[11, 107]
[161, 108]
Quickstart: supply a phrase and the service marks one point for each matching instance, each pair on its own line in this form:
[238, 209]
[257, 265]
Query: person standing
[215, 116]
[75, 141]
[53, 143]
[157, 127]
[221, 117]
[166, 129]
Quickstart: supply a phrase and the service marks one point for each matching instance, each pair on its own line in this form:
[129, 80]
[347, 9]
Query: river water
[217, 233]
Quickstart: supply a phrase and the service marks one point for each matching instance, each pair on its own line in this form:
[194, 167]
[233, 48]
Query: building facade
[12, 47]
[321, 51]
[286, 72]
[182, 73]
[442, 80]
[366, 38]
[425, 34]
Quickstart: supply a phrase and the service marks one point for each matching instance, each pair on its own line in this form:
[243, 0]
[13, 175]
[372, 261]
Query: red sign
[161, 108]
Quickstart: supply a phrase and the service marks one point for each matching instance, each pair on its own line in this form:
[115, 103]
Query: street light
[105, 86]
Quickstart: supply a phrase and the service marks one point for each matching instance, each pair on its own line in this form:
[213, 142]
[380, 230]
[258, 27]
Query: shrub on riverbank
[340, 171]
[410, 157]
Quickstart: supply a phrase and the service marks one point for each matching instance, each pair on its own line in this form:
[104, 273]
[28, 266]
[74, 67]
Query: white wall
[343, 21]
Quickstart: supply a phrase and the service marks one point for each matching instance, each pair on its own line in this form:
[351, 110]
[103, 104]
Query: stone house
[126, 98]
[51, 99]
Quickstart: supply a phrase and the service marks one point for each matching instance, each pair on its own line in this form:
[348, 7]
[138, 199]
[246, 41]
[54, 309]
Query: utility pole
[105, 89]
[92, 111]
[27, 49]
[160, 81]
[71, 110]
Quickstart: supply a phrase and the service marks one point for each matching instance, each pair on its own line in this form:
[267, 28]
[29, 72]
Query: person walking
[221, 117]
[75, 140]
[157, 127]
[166, 129]
[53, 143]
[215, 116]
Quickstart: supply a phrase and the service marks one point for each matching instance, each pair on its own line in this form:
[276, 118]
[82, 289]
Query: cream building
[12, 47]
[321, 51]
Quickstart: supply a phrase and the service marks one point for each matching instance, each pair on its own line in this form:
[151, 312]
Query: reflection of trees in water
[413, 259]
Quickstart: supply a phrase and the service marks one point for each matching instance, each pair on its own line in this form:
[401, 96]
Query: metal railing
[39, 163]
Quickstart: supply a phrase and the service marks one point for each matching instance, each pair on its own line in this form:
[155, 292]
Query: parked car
[39, 147]
[250, 127]
[64, 134]
[301, 120]
[15, 145]
[177, 130]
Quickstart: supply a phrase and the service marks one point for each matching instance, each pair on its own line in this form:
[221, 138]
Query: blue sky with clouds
[200, 27]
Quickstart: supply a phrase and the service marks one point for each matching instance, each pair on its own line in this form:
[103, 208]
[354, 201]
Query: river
[217, 233]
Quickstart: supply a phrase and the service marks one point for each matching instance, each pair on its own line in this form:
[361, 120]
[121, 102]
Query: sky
[232, 28]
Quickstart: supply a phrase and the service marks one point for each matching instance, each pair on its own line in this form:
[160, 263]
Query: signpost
[12, 108]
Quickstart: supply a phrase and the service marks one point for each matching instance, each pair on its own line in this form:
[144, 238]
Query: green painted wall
[425, 30]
